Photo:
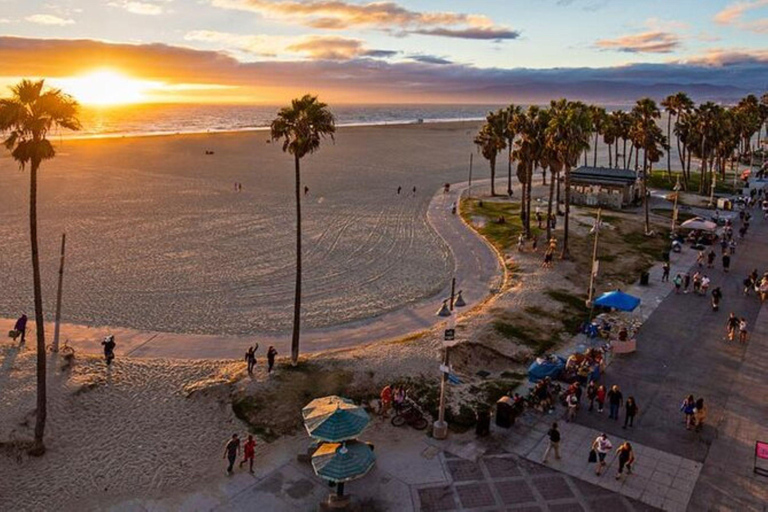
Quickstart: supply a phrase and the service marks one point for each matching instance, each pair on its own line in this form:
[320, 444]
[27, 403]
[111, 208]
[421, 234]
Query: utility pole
[595, 264]
[440, 428]
[55, 347]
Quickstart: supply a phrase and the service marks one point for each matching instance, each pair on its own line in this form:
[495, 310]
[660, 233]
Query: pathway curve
[478, 270]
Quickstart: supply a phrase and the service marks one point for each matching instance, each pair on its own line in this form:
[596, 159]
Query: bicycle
[411, 415]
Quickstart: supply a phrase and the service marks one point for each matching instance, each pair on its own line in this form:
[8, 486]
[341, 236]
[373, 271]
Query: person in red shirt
[386, 400]
[249, 452]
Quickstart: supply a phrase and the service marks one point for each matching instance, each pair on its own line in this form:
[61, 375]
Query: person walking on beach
[591, 394]
[306, 190]
[602, 446]
[250, 358]
[743, 330]
[249, 453]
[630, 411]
[399, 189]
[231, 451]
[109, 349]
[21, 327]
[626, 458]
[271, 353]
[687, 408]
[665, 272]
[553, 444]
[615, 401]
[414, 190]
[600, 397]
[731, 325]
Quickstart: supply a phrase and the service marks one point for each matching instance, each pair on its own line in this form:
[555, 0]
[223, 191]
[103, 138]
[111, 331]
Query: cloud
[310, 46]
[646, 42]
[375, 80]
[733, 14]
[430, 59]
[343, 15]
[135, 7]
[49, 19]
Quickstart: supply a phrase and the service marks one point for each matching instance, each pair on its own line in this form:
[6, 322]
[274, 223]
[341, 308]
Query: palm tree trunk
[493, 175]
[669, 153]
[557, 198]
[509, 170]
[610, 155]
[549, 204]
[42, 411]
[624, 156]
[646, 172]
[529, 187]
[543, 176]
[565, 255]
[594, 158]
[297, 297]
[681, 152]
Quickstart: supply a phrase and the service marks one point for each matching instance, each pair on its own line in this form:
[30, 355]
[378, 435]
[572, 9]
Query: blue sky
[484, 38]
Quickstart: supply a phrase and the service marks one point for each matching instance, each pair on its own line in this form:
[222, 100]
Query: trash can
[504, 417]
[483, 425]
[645, 278]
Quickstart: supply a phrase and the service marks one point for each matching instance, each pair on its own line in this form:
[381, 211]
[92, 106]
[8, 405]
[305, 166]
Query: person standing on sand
[231, 451]
[271, 353]
[21, 327]
[250, 358]
[249, 453]
[109, 349]
[399, 189]
[306, 190]
[553, 444]
[414, 190]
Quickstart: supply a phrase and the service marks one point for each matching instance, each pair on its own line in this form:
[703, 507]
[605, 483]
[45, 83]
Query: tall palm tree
[567, 134]
[646, 135]
[27, 117]
[599, 117]
[491, 140]
[506, 116]
[679, 105]
[529, 125]
[670, 106]
[302, 127]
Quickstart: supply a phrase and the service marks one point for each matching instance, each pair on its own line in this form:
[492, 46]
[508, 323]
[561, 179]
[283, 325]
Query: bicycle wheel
[398, 421]
[420, 424]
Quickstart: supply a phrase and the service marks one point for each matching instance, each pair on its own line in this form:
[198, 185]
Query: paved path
[478, 269]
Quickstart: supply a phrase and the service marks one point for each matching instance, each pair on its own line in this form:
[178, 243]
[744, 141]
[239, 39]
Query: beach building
[602, 186]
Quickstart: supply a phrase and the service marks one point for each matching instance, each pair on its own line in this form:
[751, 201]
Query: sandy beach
[159, 240]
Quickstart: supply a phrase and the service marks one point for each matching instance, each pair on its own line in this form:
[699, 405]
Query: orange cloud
[646, 42]
[720, 57]
[339, 15]
[733, 14]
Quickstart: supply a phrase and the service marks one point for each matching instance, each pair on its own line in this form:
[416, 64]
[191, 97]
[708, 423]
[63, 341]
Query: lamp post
[440, 427]
[674, 208]
[595, 264]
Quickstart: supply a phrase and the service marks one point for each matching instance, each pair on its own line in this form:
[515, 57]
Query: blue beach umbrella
[618, 300]
[342, 462]
[334, 419]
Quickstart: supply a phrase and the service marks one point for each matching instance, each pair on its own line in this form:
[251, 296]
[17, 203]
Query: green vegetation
[681, 216]
[659, 179]
[504, 235]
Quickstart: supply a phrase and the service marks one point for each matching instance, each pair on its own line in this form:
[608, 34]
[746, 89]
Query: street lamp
[674, 208]
[440, 427]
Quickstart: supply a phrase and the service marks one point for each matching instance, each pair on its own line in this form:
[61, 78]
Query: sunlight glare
[106, 88]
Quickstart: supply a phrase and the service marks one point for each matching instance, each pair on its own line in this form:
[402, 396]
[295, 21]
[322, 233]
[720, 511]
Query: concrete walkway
[479, 273]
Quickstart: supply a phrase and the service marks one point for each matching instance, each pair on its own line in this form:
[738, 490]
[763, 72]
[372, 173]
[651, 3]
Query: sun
[106, 87]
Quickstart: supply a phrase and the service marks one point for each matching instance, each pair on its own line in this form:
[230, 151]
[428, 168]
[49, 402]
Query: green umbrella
[342, 462]
[334, 419]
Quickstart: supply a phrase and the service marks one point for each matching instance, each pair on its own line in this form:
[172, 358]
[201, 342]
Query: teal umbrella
[342, 462]
[334, 419]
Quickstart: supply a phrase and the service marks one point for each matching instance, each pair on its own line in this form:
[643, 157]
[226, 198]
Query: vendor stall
[621, 330]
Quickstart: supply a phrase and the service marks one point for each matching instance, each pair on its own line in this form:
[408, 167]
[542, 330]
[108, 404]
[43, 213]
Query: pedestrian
[548, 258]
[250, 358]
[414, 190]
[678, 282]
[573, 405]
[743, 330]
[400, 396]
[732, 247]
[21, 327]
[249, 453]
[748, 284]
[699, 414]
[686, 281]
[731, 325]
[306, 190]
[600, 397]
[723, 243]
[520, 242]
[615, 401]
[231, 451]
[665, 272]
[700, 259]
[602, 446]
[687, 407]
[626, 458]
[630, 411]
[726, 262]
[591, 394]
[453, 208]
[271, 353]
[716, 296]
[711, 258]
[538, 219]
[386, 400]
[109, 349]
[399, 189]
[553, 444]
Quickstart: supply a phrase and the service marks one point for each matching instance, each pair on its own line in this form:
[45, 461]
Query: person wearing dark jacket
[630, 411]
[21, 327]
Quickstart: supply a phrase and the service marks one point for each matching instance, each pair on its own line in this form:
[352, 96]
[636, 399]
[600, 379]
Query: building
[601, 186]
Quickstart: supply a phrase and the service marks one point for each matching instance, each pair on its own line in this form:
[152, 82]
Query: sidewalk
[478, 270]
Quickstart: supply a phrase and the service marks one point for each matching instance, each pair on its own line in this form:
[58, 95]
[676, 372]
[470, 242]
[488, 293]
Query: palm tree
[646, 135]
[302, 126]
[677, 105]
[491, 140]
[599, 117]
[567, 134]
[506, 117]
[27, 117]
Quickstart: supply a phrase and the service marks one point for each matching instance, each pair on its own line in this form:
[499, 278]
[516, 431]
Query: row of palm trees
[554, 138]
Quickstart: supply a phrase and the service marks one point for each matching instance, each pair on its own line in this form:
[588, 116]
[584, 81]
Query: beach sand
[158, 239]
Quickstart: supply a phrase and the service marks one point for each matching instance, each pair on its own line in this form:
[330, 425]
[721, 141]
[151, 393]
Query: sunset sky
[399, 51]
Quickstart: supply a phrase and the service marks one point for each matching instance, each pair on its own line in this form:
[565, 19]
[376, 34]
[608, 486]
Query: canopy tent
[700, 224]
[618, 300]
[542, 367]
[334, 419]
[342, 462]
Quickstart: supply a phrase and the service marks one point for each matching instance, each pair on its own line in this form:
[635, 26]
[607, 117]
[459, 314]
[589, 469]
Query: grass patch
[502, 236]
[659, 179]
[538, 311]
[536, 340]
[681, 216]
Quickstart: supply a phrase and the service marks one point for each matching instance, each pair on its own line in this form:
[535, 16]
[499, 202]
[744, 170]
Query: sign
[761, 452]
[445, 369]
[450, 334]
[453, 379]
